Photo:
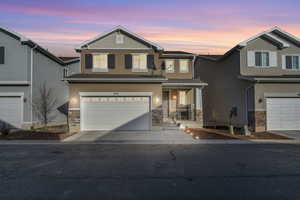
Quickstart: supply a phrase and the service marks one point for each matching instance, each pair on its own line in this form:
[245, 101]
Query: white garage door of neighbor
[115, 113]
[283, 113]
[11, 111]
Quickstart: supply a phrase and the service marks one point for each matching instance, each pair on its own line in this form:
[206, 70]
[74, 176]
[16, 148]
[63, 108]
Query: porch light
[157, 100]
[174, 97]
[73, 100]
[197, 137]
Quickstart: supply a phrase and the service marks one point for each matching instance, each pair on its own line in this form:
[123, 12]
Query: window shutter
[150, 62]
[2, 55]
[163, 65]
[251, 58]
[88, 61]
[273, 59]
[111, 61]
[283, 62]
[128, 61]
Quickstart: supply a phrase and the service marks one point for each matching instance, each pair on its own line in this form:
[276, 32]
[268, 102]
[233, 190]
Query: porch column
[199, 107]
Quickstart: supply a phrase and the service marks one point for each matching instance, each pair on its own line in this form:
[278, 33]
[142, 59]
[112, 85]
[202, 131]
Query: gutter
[115, 80]
[270, 80]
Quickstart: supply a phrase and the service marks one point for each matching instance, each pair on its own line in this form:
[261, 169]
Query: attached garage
[283, 113]
[115, 113]
[11, 110]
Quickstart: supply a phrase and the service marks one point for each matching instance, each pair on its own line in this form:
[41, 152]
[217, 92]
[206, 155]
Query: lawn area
[203, 133]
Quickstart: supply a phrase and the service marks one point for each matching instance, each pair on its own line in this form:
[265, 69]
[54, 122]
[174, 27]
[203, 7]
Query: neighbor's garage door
[11, 111]
[283, 113]
[115, 113]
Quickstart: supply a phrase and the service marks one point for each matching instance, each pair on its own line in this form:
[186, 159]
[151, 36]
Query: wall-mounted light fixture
[157, 100]
[260, 100]
[73, 100]
[174, 97]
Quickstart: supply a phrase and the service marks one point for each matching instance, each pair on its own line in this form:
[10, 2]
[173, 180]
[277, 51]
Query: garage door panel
[115, 113]
[283, 113]
[11, 111]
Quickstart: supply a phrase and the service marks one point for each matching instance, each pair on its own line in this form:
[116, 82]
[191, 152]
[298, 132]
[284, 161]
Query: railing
[185, 112]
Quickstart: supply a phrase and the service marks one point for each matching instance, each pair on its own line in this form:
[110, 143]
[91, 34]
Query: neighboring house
[24, 68]
[257, 83]
[129, 83]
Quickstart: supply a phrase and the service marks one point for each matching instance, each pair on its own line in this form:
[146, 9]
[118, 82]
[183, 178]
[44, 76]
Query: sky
[198, 26]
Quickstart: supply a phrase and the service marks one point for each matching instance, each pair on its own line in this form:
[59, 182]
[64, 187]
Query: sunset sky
[190, 25]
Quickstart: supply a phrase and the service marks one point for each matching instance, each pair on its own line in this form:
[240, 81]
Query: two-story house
[255, 84]
[24, 67]
[129, 83]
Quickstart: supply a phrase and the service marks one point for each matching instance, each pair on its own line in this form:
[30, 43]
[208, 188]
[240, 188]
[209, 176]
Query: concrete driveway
[291, 134]
[174, 136]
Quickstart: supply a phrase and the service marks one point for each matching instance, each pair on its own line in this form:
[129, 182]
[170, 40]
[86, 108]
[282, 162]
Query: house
[129, 83]
[24, 67]
[255, 84]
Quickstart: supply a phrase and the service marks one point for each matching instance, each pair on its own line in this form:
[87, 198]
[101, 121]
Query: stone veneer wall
[257, 121]
[199, 117]
[74, 121]
[157, 116]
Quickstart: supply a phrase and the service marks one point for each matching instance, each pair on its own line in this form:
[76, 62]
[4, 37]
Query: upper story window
[119, 38]
[170, 67]
[262, 59]
[292, 62]
[183, 66]
[100, 62]
[2, 55]
[139, 63]
[65, 72]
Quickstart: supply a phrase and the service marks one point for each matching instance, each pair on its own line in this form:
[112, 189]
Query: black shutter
[128, 61]
[2, 55]
[88, 61]
[163, 65]
[111, 61]
[150, 62]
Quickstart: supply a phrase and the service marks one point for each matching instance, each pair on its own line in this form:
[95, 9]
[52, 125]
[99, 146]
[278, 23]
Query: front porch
[182, 103]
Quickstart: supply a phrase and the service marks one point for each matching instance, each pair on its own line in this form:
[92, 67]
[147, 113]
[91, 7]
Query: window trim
[262, 51]
[134, 69]
[188, 70]
[100, 69]
[173, 71]
[285, 66]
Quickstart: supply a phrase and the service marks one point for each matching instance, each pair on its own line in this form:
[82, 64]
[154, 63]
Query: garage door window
[115, 99]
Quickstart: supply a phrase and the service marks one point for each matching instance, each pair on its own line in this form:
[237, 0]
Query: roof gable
[124, 31]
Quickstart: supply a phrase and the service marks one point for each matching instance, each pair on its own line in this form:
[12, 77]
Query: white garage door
[11, 111]
[283, 113]
[115, 113]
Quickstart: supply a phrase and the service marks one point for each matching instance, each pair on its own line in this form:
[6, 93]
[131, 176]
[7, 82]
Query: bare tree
[45, 103]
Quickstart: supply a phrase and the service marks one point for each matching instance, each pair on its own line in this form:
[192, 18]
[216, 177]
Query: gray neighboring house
[258, 82]
[24, 67]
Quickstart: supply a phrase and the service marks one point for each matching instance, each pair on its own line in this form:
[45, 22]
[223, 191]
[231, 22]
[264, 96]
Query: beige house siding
[120, 61]
[109, 42]
[262, 44]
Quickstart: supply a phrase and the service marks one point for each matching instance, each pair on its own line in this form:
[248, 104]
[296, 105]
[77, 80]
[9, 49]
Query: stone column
[74, 121]
[199, 110]
[157, 116]
[260, 121]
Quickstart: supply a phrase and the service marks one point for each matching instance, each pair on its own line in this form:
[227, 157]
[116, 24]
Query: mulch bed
[52, 133]
[203, 133]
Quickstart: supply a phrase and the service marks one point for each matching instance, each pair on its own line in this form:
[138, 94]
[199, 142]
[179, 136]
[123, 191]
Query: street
[100, 171]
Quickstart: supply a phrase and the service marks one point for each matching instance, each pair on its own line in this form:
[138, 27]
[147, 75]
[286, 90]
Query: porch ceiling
[183, 83]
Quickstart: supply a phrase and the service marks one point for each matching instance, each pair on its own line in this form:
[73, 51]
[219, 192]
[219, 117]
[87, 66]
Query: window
[292, 62]
[139, 63]
[65, 72]
[119, 38]
[100, 63]
[262, 59]
[184, 66]
[182, 98]
[170, 66]
[2, 55]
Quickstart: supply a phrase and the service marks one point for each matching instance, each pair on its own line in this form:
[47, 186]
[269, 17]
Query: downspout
[31, 83]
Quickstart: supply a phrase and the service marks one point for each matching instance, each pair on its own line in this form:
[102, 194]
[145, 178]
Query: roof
[210, 57]
[125, 31]
[177, 53]
[114, 78]
[68, 58]
[26, 41]
[272, 79]
[271, 34]
[184, 83]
